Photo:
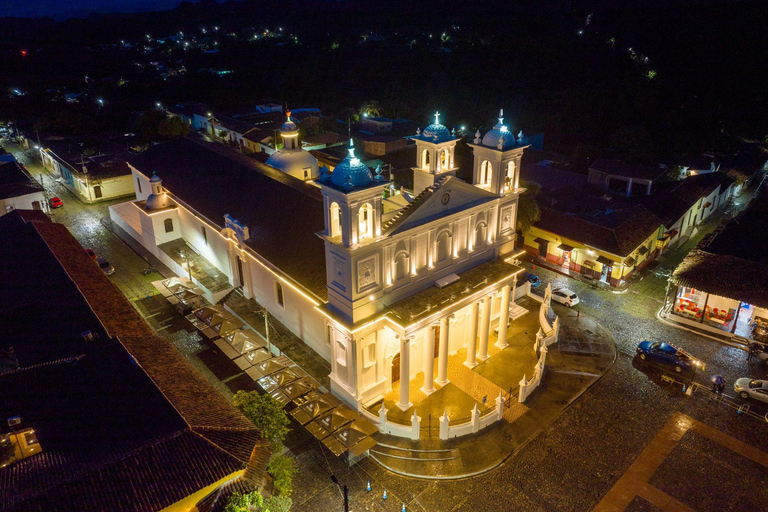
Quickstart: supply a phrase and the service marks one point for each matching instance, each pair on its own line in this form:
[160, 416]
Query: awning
[565, 247]
[588, 263]
[630, 262]
[707, 204]
[541, 241]
[604, 260]
[643, 250]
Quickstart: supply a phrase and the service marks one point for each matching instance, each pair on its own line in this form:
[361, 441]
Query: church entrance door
[396, 368]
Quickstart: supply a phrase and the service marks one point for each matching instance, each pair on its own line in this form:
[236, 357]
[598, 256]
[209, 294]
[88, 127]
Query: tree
[148, 125]
[172, 127]
[282, 469]
[527, 208]
[249, 502]
[370, 108]
[266, 413]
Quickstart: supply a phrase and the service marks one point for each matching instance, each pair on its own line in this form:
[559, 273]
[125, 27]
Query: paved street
[572, 464]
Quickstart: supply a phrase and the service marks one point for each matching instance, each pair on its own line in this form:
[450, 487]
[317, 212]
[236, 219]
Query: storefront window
[720, 312]
[689, 303]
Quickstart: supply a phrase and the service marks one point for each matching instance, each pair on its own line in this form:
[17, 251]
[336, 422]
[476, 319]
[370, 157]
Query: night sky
[80, 8]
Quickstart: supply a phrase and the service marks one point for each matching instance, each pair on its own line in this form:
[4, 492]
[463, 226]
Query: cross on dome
[437, 117]
[288, 114]
[501, 116]
[351, 148]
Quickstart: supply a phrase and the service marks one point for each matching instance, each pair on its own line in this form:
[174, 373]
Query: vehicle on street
[55, 202]
[759, 350]
[91, 253]
[105, 266]
[565, 297]
[751, 388]
[532, 278]
[667, 354]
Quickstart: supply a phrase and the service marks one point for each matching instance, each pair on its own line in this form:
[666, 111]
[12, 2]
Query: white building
[381, 295]
[18, 191]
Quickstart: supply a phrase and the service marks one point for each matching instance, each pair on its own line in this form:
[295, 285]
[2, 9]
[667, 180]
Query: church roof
[293, 161]
[436, 133]
[500, 134]
[351, 171]
[270, 202]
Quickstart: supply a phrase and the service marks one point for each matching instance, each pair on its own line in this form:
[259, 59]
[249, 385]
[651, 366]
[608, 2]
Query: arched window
[445, 159]
[168, 225]
[425, 159]
[509, 180]
[480, 234]
[486, 173]
[401, 266]
[335, 227]
[365, 221]
[443, 246]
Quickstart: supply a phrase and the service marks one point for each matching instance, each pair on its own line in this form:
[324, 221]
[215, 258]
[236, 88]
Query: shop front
[722, 314]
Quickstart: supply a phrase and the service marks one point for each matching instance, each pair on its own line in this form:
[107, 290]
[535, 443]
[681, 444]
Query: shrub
[282, 469]
[266, 413]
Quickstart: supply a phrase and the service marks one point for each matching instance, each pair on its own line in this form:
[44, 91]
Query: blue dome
[500, 134]
[436, 133]
[351, 170]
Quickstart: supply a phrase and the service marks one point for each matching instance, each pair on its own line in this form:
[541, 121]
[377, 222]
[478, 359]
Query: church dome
[158, 198]
[436, 132]
[295, 162]
[500, 134]
[351, 170]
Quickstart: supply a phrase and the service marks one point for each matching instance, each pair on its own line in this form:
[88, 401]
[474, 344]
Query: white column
[405, 363]
[429, 362]
[472, 336]
[514, 288]
[485, 329]
[442, 360]
[503, 318]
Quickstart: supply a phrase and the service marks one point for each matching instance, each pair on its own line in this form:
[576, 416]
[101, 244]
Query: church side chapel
[384, 288]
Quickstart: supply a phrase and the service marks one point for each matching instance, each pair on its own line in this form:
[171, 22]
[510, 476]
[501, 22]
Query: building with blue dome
[435, 148]
[497, 155]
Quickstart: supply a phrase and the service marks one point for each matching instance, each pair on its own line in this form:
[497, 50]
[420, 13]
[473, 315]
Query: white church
[382, 287]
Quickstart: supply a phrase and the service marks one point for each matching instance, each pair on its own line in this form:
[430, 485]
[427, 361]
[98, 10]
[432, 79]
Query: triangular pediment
[446, 197]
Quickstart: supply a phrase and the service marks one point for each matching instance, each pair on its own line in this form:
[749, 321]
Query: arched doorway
[396, 368]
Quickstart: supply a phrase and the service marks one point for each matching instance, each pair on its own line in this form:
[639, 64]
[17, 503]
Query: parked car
[565, 296]
[91, 253]
[667, 354]
[532, 278]
[105, 266]
[55, 202]
[751, 388]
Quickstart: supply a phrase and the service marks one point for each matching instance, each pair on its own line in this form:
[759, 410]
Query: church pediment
[446, 197]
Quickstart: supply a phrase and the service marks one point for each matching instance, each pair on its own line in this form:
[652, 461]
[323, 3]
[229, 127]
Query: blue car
[533, 278]
[666, 354]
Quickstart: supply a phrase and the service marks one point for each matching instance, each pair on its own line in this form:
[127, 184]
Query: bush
[239, 502]
[266, 413]
[282, 469]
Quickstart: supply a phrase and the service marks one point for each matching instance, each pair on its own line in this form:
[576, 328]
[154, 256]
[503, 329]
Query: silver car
[565, 296]
[752, 388]
[105, 266]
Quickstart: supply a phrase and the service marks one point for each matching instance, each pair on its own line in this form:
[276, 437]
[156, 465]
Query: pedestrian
[752, 351]
[718, 384]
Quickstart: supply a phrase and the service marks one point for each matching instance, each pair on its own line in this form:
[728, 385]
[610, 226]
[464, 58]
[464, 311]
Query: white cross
[437, 115]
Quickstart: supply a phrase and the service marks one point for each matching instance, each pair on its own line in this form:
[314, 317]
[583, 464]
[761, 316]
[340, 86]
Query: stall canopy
[565, 247]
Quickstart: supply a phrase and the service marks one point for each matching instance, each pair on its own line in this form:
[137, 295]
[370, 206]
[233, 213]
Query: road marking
[634, 482]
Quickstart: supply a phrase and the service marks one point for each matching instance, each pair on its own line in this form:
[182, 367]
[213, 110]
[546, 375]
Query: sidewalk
[583, 355]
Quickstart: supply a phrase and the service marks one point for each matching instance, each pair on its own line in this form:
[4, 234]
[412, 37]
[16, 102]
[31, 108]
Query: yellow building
[605, 245]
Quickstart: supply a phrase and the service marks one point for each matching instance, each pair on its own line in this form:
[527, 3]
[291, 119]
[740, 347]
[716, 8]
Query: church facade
[402, 290]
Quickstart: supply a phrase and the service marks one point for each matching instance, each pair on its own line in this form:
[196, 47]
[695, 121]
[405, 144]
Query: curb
[678, 326]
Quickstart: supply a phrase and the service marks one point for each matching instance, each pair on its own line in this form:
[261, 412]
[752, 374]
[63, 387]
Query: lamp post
[345, 492]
